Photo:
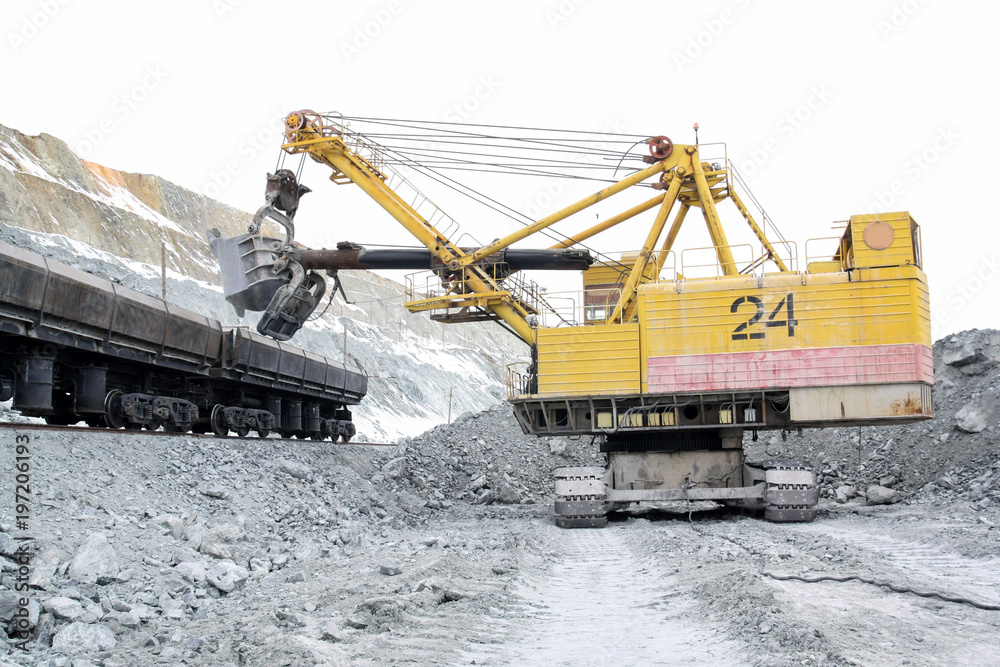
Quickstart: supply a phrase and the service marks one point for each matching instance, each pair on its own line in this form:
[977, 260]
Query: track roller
[792, 494]
[580, 497]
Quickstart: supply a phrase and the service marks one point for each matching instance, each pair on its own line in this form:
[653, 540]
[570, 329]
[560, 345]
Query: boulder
[95, 561]
[391, 568]
[972, 419]
[227, 576]
[880, 495]
[296, 469]
[845, 493]
[64, 608]
[508, 495]
[195, 572]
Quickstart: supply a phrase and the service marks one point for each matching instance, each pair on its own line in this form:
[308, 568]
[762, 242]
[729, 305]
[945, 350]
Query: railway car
[77, 347]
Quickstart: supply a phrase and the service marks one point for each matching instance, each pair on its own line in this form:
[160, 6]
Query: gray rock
[410, 503]
[43, 566]
[391, 568]
[145, 639]
[227, 576]
[946, 483]
[508, 495]
[95, 561]
[960, 355]
[216, 491]
[307, 550]
[880, 495]
[845, 493]
[130, 619]
[171, 523]
[82, 638]
[64, 608]
[296, 577]
[194, 572]
[478, 483]
[216, 541]
[295, 469]
[260, 565]
[357, 622]
[395, 468]
[195, 533]
[8, 545]
[9, 604]
[331, 633]
[557, 446]
[484, 498]
[972, 419]
[888, 481]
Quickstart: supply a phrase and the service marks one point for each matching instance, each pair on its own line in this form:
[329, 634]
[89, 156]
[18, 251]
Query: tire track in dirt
[597, 597]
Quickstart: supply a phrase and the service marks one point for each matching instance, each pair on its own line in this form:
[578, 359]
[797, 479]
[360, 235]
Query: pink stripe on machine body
[780, 369]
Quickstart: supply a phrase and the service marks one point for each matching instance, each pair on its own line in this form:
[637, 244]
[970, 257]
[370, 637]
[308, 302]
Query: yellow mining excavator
[668, 356]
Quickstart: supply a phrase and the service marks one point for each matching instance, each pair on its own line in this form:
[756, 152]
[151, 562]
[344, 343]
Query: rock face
[44, 186]
[95, 561]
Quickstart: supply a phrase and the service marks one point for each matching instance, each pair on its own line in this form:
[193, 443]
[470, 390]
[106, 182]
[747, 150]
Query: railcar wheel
[263, 432]
[218, 421]
[112, 410]
[242, 431]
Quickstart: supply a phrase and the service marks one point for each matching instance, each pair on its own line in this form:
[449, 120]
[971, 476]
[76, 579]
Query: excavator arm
[282, 280]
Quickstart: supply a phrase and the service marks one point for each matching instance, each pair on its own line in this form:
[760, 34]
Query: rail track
[20, 426]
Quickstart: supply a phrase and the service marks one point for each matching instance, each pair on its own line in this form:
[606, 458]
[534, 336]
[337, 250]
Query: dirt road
[659, 590]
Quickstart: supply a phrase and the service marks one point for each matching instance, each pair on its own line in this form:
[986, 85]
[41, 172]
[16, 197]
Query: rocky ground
[441, 550]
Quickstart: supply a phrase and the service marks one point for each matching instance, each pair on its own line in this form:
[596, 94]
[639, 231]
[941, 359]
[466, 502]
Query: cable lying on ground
[883, 584]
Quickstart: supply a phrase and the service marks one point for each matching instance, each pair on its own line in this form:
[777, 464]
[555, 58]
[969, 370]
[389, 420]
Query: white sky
[193, 91]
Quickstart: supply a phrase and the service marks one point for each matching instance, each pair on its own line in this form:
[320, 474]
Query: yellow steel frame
[685, 177]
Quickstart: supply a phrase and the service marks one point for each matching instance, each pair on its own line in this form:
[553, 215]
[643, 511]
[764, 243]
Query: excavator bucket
[247, 264]
[255, 278]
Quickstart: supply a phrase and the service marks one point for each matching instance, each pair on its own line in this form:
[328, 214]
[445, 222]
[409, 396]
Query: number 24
[788, 303]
